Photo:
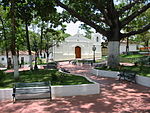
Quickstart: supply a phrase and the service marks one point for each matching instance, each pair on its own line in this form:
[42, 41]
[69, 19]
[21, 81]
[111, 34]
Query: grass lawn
[131, 56]
[143, 71]
[56, 78]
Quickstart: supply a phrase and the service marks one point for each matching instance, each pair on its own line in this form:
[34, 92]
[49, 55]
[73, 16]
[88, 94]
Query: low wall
[72, 90]
[142, 80]
[6, 94]
[103, 73]
[60, 91]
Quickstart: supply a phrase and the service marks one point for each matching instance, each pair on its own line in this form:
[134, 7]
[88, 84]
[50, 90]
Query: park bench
[128, 75]
[33, 90]
[64, 70]
[102, 64]
[51, 65]
[74, 62]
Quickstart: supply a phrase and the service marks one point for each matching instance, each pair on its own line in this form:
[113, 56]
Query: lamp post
[36, 53]
[94, 49]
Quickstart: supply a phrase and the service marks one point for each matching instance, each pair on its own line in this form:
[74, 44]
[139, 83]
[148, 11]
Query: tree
[12, 6]
[137, 24]
[35, 41]
[142, 39]
[52, 38]
[40, 10]
[108, 17]
[13, 42]
[87, 29]
[24, 12]
[3, 23]
[23, 9]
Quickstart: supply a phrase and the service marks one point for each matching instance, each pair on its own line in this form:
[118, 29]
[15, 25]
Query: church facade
[78, 47]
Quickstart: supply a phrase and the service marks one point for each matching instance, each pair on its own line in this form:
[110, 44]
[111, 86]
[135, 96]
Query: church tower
[96, 38]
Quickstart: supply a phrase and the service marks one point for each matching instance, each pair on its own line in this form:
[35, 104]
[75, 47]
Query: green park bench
[51, 65]
[127, 75]
[31, 90]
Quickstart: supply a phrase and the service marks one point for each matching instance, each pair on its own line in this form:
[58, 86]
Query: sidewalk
[25, 68]
[114, 97]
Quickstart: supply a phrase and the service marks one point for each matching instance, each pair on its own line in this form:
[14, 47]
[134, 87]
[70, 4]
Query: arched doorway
[78, 52]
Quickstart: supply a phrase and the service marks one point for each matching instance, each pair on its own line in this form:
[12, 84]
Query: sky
[73, 28]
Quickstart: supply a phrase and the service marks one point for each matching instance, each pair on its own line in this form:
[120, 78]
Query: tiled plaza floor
[115, 97]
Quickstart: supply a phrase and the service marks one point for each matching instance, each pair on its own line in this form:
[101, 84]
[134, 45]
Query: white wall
[67, 51]
[26, 58]
[132, 47]
[4, 62]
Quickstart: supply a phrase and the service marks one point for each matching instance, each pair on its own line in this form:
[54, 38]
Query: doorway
[22, 60]
[78, 52]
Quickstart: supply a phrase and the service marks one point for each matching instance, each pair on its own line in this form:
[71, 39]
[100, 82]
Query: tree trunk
[18, 58]
[35, 66]
[7, 58]
[47, 59]
[113, 57]
[41, 39]
[13, 41]
[28, 46]
[16, 66]
[30, 61]
[146, 43]
[114, 46]
[127, 46]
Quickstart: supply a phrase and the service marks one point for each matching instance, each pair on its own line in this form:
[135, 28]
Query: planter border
[60, 91]
[142, 80]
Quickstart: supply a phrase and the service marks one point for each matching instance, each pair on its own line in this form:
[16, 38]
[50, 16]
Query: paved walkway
[114, 97]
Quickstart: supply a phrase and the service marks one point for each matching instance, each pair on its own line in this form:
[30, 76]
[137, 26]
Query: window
[97, 39]
[3, 59]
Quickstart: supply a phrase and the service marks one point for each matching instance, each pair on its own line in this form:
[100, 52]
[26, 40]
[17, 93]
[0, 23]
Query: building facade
[23, 58]
[78, 47]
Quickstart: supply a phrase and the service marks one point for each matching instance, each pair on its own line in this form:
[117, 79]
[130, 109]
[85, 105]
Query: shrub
[143, 61]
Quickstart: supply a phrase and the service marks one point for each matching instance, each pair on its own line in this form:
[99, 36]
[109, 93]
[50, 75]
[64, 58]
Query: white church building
[78, 47]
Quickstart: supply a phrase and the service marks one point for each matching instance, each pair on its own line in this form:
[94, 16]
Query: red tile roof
[20, 53]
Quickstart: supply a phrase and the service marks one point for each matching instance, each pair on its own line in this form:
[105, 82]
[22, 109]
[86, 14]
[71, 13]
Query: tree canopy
[105, 15]
[109, 18]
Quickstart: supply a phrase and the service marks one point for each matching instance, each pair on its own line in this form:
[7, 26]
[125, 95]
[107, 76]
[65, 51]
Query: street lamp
[94, 49]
